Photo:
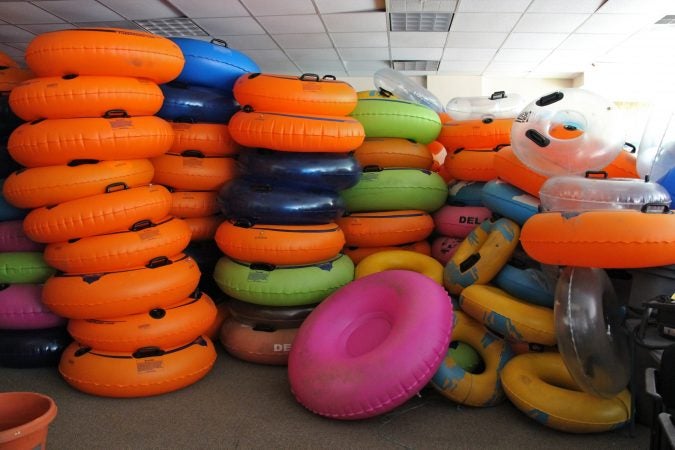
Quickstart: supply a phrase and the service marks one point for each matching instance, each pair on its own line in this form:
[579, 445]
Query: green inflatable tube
[395, 189]
[265, 284]
[24, 267]
[396, 118]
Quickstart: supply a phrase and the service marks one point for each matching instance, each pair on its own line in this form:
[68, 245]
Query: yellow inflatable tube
[481, 255]
[474, 389]
[540, 385]
[514, 319]
[400, 259]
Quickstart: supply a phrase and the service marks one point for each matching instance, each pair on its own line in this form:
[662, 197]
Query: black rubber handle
[116, 187]
[590, 174]
[115, 114]
[537, 138]
[497, 95]
[550, 99]
[220, 42]
[309, 76]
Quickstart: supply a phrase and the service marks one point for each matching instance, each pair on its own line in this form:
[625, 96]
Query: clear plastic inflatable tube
[572, 193]
[594, 346]
[499, 105]
[656, 156]
[401, 86]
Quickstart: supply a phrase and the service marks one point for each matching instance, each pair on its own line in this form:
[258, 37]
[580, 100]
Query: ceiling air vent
[418, 65]
[666, 20]
[425, 21]
[180, 26]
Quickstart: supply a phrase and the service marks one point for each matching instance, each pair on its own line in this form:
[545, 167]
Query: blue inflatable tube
[465, 193]
[196, 104]
[509, 201]
[668, 182]
[324, 171]
[33, 348]
[212, 64]
[255, 202]
[530, 285]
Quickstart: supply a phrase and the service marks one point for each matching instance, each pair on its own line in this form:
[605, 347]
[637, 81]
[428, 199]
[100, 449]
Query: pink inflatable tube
[371, 345]
[459, 221]
[13, 239]
[21, 308]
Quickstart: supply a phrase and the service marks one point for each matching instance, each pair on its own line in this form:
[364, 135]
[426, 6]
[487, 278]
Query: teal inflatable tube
[266, 284]
[395, 189]
[396, 118]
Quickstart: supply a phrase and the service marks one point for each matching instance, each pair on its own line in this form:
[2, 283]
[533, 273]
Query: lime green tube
[396, 118]
[24, 267]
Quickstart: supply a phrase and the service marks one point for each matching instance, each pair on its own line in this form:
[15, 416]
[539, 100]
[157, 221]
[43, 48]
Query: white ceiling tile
[358, 54]
[422, 6]
[417, 39]
[210, 8]
[416, 53]
[280, 67]
[320, 54]
[565, 6]
[615, 23]
[360, 39]
[476, 67]
[521, 55]
[79, 10]
[624, 53]
[292, 24]
[510, 67]
[249, 42]
[493, 6]
[461, 39]
[279, 8]
[230, 25]
[47, 27]
[141, 10]
[534, 40]
[365, 65]
[343, 6]
[552, 74]
[484, 22]
[304, 40]
[597, 42]
[267, 55]
[321, 67]
[567, 60]
[349, 22]
[23, 13]
[549, 23]
[469, 54]
[638, 7]
[10, 33]
[114, 24]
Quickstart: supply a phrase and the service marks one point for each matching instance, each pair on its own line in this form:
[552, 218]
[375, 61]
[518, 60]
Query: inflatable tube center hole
[466, 357]
[367, 333]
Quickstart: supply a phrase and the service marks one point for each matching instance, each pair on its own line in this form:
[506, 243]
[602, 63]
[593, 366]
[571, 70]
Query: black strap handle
[309, 76]
[219, 42]
[497, 95]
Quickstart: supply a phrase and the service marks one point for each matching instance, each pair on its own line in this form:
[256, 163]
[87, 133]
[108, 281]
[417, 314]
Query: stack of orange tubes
[281, 243]
[122, 279]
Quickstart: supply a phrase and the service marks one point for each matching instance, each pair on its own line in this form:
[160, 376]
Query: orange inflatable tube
[486, 133]
[393, 152]
[105, 51]
[59, 141]
[162, 282]
[7, 61]
[203, 228]
[99, 214]
[623, 166]
[510, 169]
[70, 97]
[471, 165]
[11, 77]
[209, 139]
[296, 133]
[608, 239]
[386, 228]
[357, 254]
[119, 251]
[280, 244]
[257, 344]
[306, 94]
[147, 371]
[48, 186]
[166, 327]
[193, 173]
[186, 204]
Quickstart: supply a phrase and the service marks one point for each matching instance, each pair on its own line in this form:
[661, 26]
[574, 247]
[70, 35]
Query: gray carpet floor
[244, 405]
